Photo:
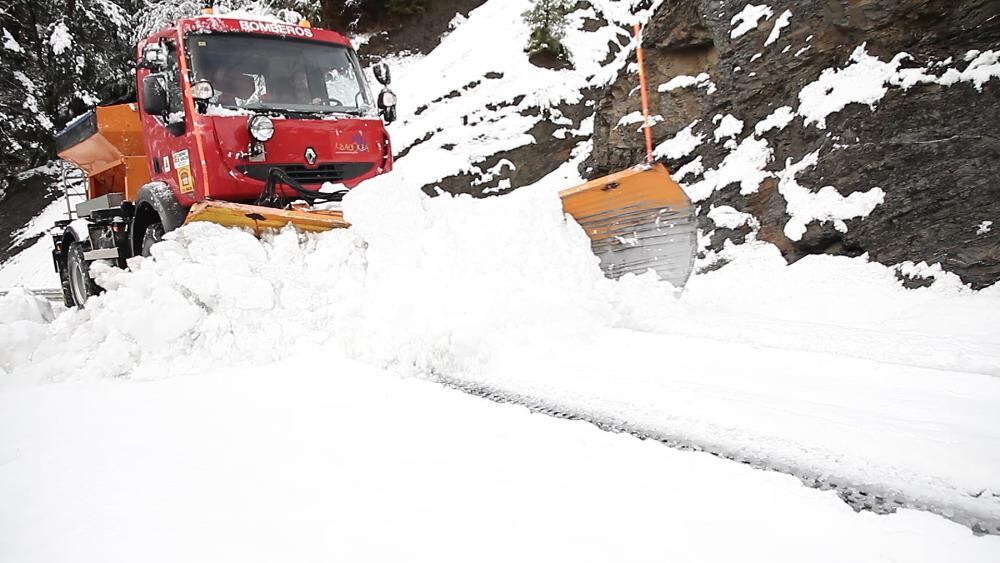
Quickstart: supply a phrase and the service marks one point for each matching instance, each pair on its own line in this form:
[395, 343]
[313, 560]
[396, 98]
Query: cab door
[170, 135]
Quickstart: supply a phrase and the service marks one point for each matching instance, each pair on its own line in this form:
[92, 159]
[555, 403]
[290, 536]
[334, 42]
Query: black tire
[81, 286]
[153, 235]
[64, 283]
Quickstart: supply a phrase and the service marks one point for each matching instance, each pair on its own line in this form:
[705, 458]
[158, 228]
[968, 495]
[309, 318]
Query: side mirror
[154, 57]
[382, 73]
[387, 105]
[154, 95]
[202, 91]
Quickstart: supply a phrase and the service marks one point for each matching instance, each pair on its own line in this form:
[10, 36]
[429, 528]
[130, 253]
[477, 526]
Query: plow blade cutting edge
[259, 219]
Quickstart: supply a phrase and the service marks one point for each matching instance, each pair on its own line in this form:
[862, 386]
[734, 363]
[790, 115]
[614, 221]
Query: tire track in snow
[879, 500]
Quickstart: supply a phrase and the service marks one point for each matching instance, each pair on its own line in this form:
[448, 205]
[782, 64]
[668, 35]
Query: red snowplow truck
[250, 123]
[228, 110]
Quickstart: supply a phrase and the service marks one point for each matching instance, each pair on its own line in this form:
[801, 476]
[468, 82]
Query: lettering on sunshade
[274, 27]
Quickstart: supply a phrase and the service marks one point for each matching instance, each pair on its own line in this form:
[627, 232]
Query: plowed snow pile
[419, 284]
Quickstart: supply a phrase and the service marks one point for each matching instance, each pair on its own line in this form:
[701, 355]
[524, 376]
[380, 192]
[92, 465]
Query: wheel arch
[76, 231]
[155, 202]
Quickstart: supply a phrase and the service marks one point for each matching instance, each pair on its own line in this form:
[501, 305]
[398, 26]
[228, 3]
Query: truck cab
[226, 100]
[230, 110]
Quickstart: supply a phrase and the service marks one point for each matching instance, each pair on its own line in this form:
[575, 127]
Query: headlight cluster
[261, 127]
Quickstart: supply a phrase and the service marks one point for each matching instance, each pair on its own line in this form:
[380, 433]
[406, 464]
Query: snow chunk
[10, 43]
[982, 68]
[805, 206]
[683, 81]
[24, 319]
[778, 119]
[20, 304]
[680, 145]
[694, 168]
[984, 227]
[729, 127]
[747, 20]
[923, 270]
[216, 110]
[727, 217]
[61, 39]
[634, 117]
[458, 20]
[744, 165]
[779, 24]
[30, 101]
[861, 82]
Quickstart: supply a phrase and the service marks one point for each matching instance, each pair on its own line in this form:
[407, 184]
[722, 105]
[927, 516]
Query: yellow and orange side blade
[638, 219]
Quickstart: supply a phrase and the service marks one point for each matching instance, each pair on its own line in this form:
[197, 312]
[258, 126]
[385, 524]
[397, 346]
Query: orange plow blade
[259, 219]
[637, 220]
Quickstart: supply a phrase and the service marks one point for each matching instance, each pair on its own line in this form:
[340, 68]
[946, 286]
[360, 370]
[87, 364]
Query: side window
[175, 99]
[342, 86]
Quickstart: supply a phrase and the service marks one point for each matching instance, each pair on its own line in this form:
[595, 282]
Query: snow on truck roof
[257, 25]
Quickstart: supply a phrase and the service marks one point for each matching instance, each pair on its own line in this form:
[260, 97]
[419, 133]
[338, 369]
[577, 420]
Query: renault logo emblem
[310, 156]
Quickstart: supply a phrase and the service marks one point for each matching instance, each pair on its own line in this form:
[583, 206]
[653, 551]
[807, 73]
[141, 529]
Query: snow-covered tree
[57, 57]
[547, 19]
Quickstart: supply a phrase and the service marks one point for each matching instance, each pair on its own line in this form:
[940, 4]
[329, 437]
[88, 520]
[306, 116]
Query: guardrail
[50, 294]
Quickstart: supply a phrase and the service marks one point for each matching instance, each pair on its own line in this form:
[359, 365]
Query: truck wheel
[153, 235]
[81, 285]
[66, 289]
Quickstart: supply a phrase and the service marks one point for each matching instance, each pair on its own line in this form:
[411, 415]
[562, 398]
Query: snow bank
[418, 283]
[20, 304]
[23, 320]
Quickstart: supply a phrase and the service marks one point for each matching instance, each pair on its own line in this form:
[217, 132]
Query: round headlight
[261, 127]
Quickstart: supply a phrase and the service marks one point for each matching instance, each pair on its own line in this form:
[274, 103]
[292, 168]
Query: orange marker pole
[637, 32]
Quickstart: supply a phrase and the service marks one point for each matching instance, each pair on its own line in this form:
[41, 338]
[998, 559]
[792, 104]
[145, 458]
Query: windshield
[264, 73]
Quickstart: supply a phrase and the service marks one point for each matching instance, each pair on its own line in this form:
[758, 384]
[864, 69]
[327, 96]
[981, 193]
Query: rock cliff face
[800, 123]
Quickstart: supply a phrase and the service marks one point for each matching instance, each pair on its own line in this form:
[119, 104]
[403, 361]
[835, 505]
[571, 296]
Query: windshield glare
[264, 73]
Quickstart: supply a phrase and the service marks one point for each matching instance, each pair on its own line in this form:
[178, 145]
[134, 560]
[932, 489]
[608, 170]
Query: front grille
[329, 172]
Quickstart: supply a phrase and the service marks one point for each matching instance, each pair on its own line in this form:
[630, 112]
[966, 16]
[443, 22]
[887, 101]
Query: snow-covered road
[911, 436]
[320, 459]
[178, 417]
